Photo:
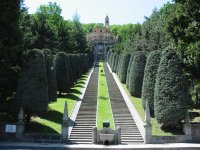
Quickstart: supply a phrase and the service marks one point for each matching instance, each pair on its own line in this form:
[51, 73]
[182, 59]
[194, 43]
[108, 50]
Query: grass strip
[104, 107]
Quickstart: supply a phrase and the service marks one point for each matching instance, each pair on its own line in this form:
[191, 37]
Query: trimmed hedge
[61, 72]
[119, 65]
[51, 76]
[136, 74]
[171, 98]
[128, 69]
[116, 62]
[124, 64]
[149, 80]
[32, 91]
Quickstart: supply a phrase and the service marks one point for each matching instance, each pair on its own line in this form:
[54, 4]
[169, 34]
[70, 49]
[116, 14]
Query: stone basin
[106, 138]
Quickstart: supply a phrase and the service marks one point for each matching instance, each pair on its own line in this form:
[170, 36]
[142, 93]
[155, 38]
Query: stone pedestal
[64, 130]
[94, 135]
[187, 127]
[20, 126]
[119, 135]
[147, 126]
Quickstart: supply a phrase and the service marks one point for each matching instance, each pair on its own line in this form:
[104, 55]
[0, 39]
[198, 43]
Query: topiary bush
[128, 70]
[171, 98]
[32, 90]
[149, 80]
[124, 64]
[137, 74]
[113, 62]
[70, 76]
[116, 63]
[51, 76]
[61, 72]
[119, 65]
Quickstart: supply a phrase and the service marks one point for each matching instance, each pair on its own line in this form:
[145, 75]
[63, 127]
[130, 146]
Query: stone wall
[196, 132]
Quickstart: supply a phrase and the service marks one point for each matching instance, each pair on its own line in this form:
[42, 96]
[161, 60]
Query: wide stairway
[121, 114]
[86, 118]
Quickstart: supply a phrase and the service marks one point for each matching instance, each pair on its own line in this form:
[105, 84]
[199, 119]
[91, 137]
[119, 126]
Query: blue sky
[94, 11]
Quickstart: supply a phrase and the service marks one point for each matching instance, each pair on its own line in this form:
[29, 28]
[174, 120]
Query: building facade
[100, 39]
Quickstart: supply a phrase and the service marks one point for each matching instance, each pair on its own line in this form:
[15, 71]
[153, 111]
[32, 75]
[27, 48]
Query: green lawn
[156, 130]
[104, 107]
[51, 121]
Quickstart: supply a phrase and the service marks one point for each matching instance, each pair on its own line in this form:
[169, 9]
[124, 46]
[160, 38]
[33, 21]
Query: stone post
[118, 135]
[147, 126]
[187, 127]
[20, 126]
[64, 130]
[94, 135]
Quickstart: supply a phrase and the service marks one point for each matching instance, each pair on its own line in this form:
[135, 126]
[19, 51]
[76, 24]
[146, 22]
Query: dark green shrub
[32, 91]
[119, 65]
[73, 66]
[128, 70]
[124, 64]
[50, 74]
[149, 80]
[113, 62]
[61, 72]
[171, 98]
[116, 63]
[70, 76]
[136, 74]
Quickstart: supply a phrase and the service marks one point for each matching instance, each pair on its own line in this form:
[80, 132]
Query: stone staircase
[86, 118]
[121, 114]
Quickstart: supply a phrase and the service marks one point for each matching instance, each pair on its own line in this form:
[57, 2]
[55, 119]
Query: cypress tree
[124, 64]
[119, 65]
[116, 63]
[113, 62]
[149, 80]
[51, 76]
[129, 68]
[10, 47]
[136, 74]
[61, 72]
[69, 77]
[171, 98]
[32, 91]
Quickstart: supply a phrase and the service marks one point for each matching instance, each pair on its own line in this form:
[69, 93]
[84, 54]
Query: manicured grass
[51, 121]
[104, 107]
[156, 127]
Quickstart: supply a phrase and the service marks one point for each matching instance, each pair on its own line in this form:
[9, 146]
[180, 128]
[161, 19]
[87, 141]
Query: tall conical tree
[149, 80]
[171, 98]
[32, 91]
[61, 72]
[137, 74]
[51, 75]
[10, 47]
[128, 70]
[124, 64]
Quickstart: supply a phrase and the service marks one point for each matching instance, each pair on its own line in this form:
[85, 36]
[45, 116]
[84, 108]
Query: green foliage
[149, 80]
[116, 63]
[171, 98]
[136, 74]
[50, 74]
[61, 72]
[124, 64]
[32, 91]
[10, 47]
[129, 69]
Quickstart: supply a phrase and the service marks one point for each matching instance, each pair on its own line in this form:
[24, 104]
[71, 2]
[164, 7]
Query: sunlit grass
[104, 106]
